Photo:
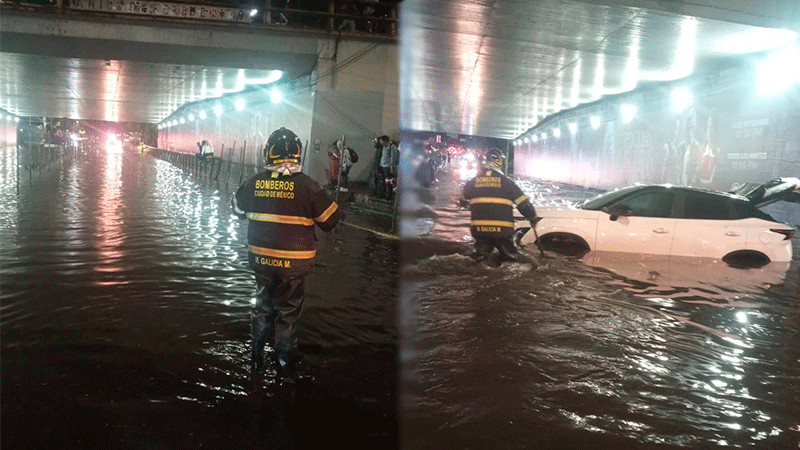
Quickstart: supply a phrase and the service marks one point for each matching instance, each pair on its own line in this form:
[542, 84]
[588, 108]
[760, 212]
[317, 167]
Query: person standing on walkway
[283, 205]
[491, 197]
[388, 166]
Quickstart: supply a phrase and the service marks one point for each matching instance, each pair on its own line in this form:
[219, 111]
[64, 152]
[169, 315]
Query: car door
[705, 228]
[648, 229]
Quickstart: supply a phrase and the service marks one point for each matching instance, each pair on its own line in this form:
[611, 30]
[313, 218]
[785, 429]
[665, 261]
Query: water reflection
[607, 350]
[125, 299]
[691, 280]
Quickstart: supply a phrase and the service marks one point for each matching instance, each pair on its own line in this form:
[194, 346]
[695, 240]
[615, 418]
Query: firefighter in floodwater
[491, 196]
[283, 205]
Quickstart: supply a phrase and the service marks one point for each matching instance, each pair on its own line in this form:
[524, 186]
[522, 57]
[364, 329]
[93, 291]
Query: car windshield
[605, 198]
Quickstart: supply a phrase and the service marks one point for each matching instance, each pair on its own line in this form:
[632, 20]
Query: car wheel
[564, 243]
[746, 259]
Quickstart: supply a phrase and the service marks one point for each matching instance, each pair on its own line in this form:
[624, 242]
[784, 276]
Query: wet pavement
[607, 351]
[125, 297]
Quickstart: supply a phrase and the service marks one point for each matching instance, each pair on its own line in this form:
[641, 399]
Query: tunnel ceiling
[129, 69]
[114, 90]
[496, 68]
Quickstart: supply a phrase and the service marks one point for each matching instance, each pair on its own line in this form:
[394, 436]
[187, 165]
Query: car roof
[689, 189]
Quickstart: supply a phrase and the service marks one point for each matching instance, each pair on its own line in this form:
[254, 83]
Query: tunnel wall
[354, 94]
[733, 133]
[241, 135]
[730, 135]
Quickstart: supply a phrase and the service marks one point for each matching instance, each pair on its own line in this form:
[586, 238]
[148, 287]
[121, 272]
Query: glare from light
[182, 121]
[74, 137]
[113, 145]
[217, 110]
[16, 119]
[240, 104]
[683, 60]
[594, 121]
[202, 114]
[778, 72]
[628, 112]
[573, 128]
[680, 99]
[8, 118]
[557, 132]
[526, 140]
[544, 136]
[534, 138]
[275, 95]
[741, 316]
[191, 117]
[755, 40]
[253, 12]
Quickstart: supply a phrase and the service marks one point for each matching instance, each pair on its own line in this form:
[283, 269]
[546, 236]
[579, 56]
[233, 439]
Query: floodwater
[608, 351]
[125, 297]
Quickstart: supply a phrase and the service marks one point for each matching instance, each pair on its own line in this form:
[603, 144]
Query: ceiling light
[595, 122]
[275, 95]
[557, 132]
[202, 114]
[240, 104]
[680, 99]
[573, 128]
[217, 110]
[628, 112]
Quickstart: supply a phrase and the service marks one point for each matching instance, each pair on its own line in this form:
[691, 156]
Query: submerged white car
[672, 220]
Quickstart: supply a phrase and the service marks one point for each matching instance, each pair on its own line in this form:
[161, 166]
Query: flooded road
[125, 298]
[606, 351]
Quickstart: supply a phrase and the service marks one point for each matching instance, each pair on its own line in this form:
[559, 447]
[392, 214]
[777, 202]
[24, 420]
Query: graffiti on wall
[163, 9]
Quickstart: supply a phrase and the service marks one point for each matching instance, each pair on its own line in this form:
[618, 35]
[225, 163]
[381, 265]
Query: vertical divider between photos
[241, 172]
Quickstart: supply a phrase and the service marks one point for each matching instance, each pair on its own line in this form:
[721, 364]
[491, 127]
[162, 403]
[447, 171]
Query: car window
[707, 207]
[606, 198]
[743, 209]
[651, 204]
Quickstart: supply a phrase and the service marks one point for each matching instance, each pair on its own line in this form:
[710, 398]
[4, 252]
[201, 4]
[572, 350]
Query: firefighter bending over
[283, 205]
[491, 197]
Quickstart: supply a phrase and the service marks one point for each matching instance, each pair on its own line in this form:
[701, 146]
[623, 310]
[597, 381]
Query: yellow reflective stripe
[290, 254]
[292, 220]
[492, 223]
[499, 200]
[327, 214]
[521, 199]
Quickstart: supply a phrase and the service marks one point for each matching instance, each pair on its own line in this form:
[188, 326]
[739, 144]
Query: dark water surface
[125, 297]
[609, 351]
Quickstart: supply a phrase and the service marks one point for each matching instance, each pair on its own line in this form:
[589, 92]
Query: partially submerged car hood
[786, 189]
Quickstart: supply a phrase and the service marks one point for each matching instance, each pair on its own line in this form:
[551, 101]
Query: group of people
[432, 161]
[205, 150]
[284, 206]
[341, 159]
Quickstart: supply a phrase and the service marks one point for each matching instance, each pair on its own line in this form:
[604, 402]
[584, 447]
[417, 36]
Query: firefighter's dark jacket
[282, 212]
[492, 197]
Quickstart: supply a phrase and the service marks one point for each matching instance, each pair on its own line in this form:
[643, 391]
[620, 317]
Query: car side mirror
[617, 211]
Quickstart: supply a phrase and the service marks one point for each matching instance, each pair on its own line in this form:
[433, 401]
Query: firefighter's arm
[524, 204]
[238, 203]
[325, 211]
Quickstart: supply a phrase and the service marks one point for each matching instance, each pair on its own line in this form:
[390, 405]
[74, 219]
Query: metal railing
[353, 17]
